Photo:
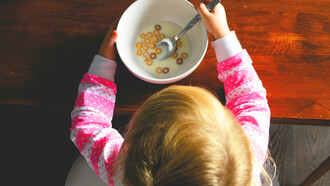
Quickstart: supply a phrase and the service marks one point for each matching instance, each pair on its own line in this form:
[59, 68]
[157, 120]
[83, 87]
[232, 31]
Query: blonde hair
[183, 135]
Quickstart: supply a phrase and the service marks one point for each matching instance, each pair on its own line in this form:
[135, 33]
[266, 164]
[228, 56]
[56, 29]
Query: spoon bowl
[168, 44]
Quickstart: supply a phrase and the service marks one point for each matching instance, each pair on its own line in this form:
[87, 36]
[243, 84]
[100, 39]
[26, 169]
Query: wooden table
[46, 46]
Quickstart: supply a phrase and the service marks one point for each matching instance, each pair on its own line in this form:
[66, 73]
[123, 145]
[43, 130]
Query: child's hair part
[183, 135]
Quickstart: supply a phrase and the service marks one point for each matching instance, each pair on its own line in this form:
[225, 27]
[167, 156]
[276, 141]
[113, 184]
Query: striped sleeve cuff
[103, 67]
[227, 47]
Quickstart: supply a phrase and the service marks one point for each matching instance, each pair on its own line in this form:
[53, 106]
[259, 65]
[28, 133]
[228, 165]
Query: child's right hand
[214, 21]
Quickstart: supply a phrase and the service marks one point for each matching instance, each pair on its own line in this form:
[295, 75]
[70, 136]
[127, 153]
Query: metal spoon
[168, 44]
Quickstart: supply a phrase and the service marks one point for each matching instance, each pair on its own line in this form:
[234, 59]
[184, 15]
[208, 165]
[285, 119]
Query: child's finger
[107, 48]
[114, 24]
[218, 8]
[206, 2]
[113, 38]
[203, 11]
[109, 33]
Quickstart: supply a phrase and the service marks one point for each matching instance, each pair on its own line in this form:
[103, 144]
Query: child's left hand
[107, 48]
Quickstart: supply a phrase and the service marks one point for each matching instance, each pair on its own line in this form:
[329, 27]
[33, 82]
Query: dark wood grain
[46, 46]
[37, 142]
[312, 149]
[282, 147]
[317, 173]
[298, 151]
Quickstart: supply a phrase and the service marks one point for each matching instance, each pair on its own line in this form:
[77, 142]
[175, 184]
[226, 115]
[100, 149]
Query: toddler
[181, 135]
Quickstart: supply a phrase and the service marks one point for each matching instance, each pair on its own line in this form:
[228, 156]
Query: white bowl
[146, 12]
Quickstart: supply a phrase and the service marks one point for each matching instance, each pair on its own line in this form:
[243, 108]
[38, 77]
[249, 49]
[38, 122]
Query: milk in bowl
[148, 55]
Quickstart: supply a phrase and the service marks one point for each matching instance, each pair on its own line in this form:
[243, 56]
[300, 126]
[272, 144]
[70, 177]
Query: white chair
[81, 174]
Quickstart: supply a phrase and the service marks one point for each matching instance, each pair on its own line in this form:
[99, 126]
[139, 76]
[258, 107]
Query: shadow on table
[63, 65]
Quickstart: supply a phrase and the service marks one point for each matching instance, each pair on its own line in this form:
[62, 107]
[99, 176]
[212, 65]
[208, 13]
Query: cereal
[162, 36]
[149, 62]
[146, 41]
[174, 55]
[178, 43]
[138, 45]
[142, 36]
[156, 33]
[145, 54]
[159, 70]
[145, 47]
[148, 53]
[152, 56]
[166, 70]
[139, 52]
[158, 50]
[179, 61]
[158, 27]
[149, 34]
[184, 55]
[151, 45]
[154, 39]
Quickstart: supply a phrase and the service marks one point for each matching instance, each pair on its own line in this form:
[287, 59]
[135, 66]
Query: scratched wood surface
[46, 46]
[282, 147]
[298, 151]
[312, 149]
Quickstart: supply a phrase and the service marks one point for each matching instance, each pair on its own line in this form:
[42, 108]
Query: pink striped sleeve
[246, 98]
[92, 130]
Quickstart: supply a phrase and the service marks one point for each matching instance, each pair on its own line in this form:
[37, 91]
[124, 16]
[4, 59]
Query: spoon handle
[191, 23]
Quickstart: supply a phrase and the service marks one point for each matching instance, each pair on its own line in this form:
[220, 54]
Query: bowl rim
[170, 79]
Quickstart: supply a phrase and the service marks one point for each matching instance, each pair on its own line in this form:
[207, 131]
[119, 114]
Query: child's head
[183, 135]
